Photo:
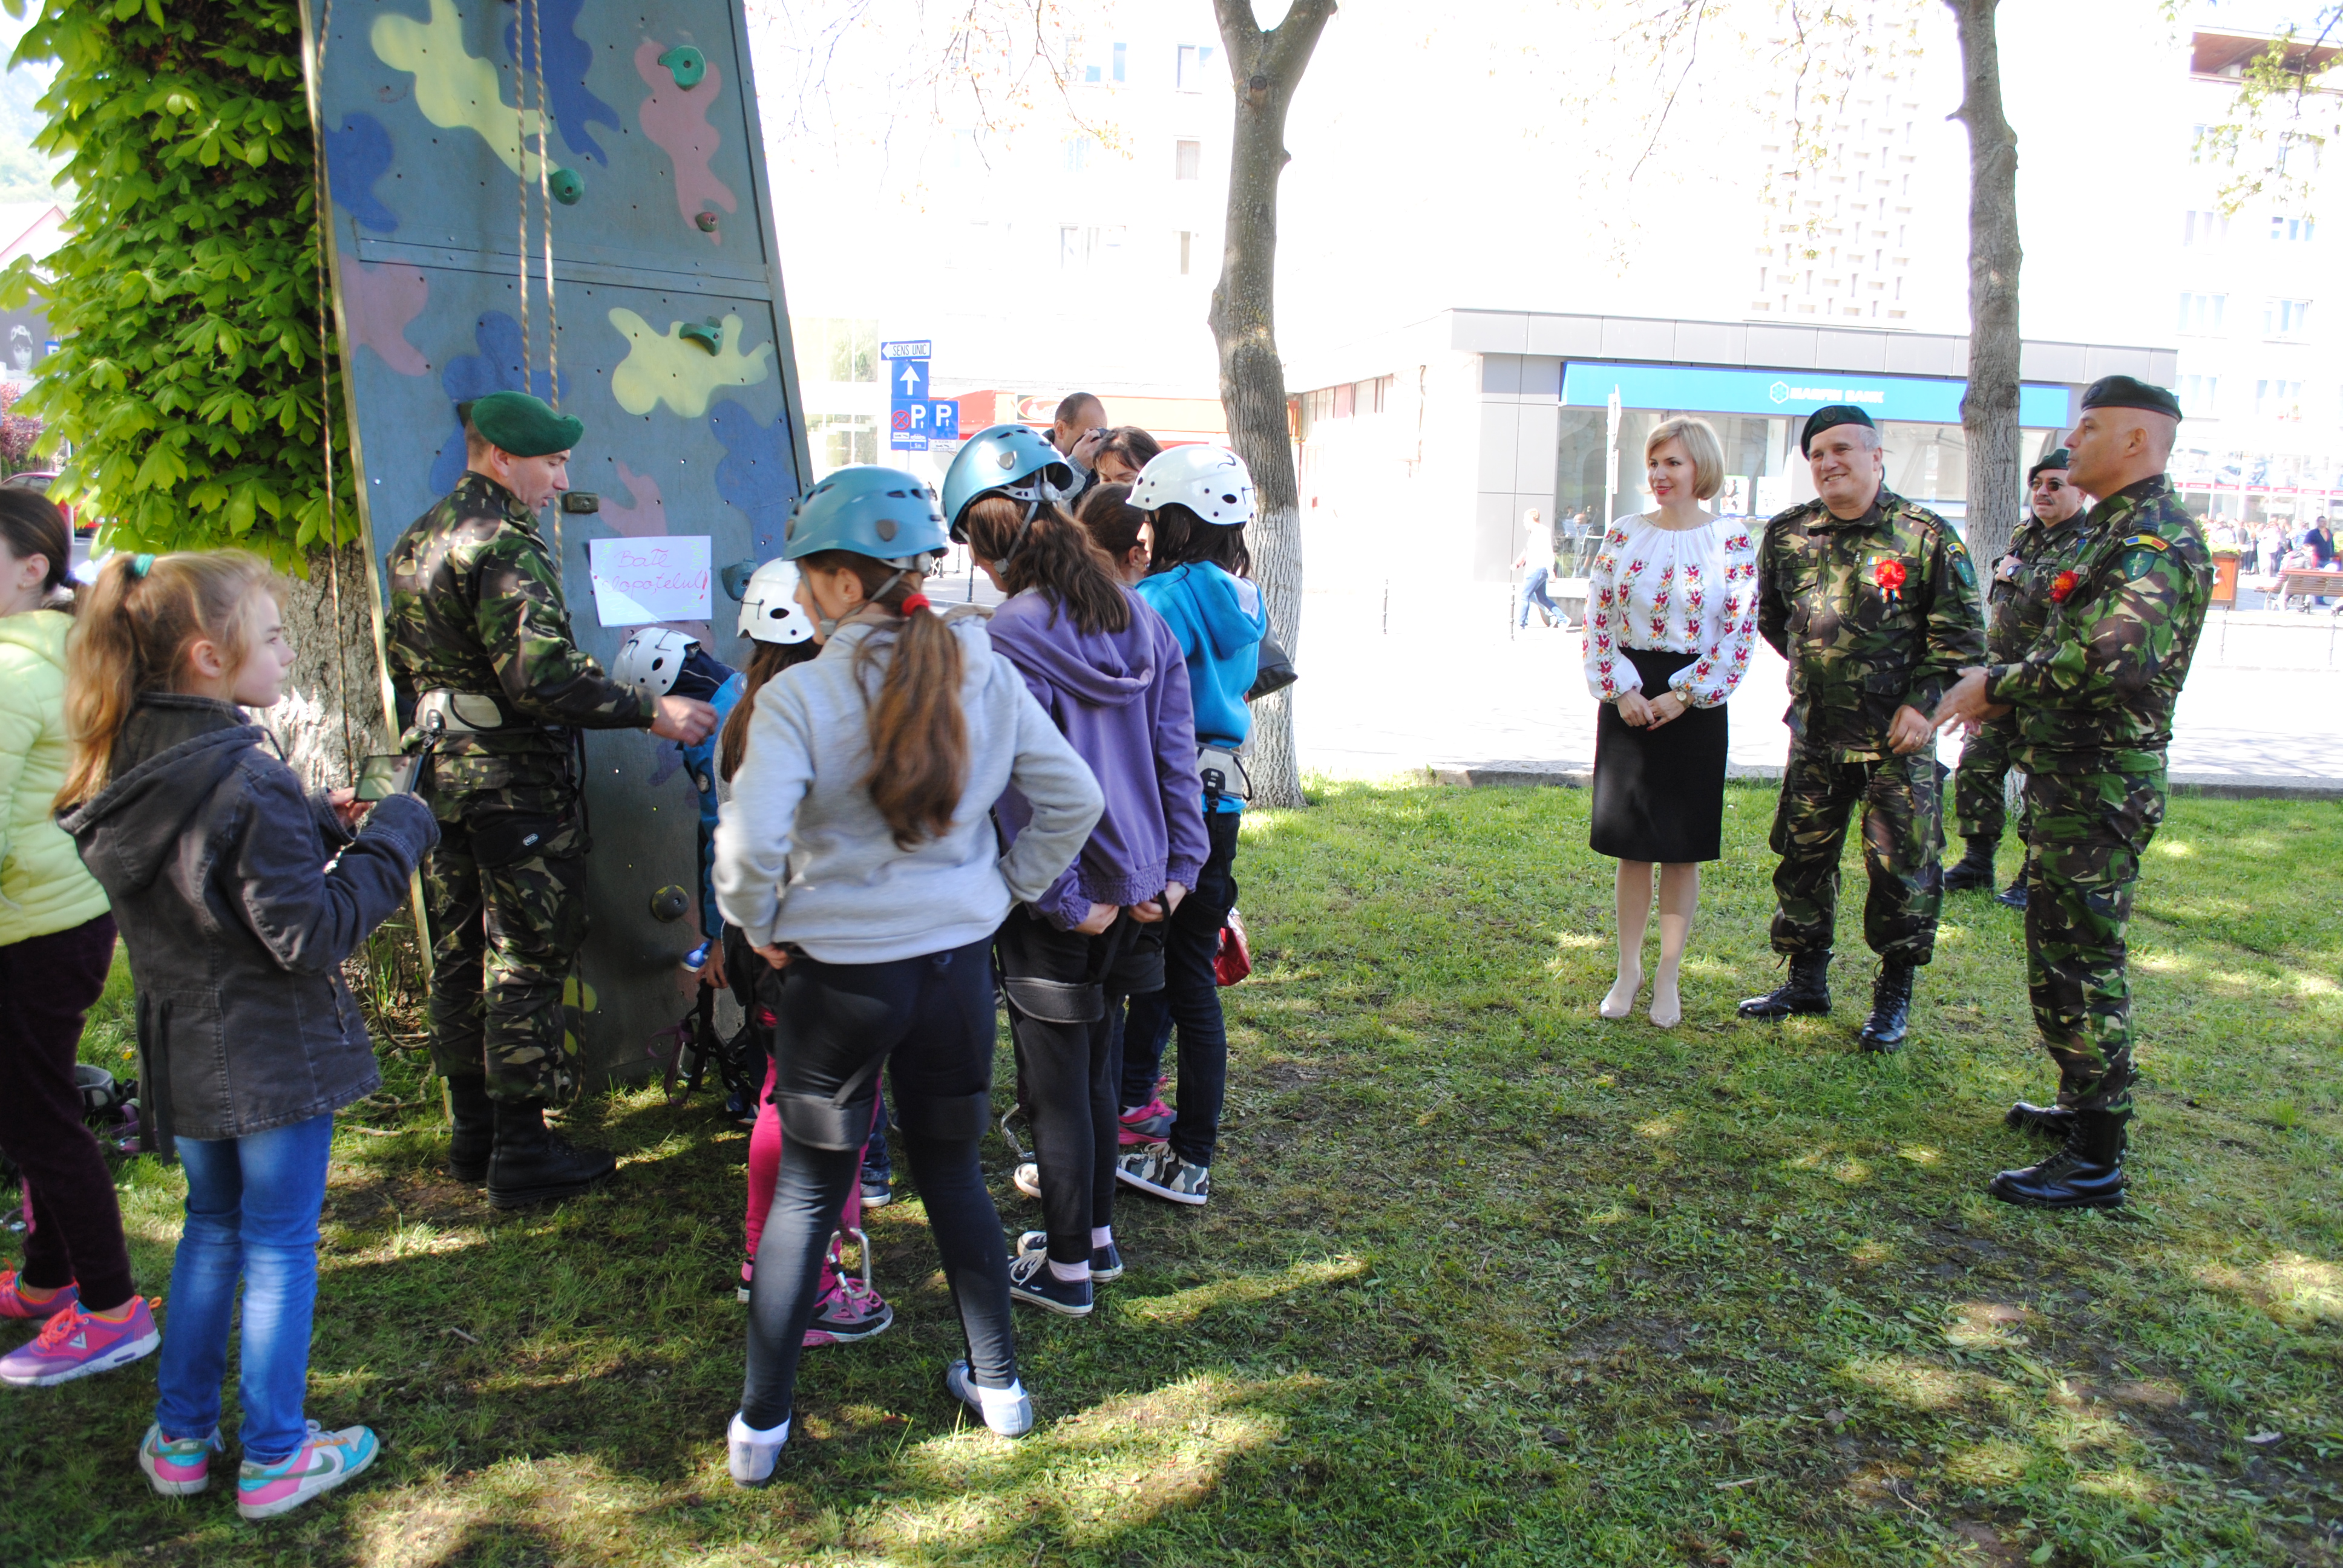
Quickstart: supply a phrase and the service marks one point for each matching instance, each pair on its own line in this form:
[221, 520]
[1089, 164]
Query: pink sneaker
[1150, 1123]
[13, 1304]
[848, 1311]
[74, 1344]
[179, 1466]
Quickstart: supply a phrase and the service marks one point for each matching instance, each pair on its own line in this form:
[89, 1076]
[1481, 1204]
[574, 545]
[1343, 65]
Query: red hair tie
[912, 601]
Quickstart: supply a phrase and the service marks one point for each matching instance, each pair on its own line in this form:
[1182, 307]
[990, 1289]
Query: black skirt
[1659, 794]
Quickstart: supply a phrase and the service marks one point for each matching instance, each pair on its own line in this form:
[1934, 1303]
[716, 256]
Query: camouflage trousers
[1978, 805]
[2082, 861]
[1903, 841]
[505, 891]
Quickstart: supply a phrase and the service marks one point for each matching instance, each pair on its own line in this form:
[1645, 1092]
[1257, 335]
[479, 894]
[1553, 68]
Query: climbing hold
[566, 185]
[577, 501]
[734, 577]
[708, 333]
[670, 903]
[707, 222]
[688, 64]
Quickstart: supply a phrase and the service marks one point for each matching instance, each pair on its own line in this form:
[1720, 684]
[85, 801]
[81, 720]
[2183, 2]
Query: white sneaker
[754, 1453]
[1158, 1171]
[1027, 1180]
[1007, 1411]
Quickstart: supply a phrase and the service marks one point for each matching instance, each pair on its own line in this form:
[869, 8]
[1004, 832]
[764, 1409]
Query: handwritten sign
[641, 580]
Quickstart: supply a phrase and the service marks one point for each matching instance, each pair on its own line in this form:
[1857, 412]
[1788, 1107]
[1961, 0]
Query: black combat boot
[1891, 1007]
[474, 1136]
[1806, 992]
[534, 1165]
[2087, 1173]
[2013, 897]
[1974, 870]
[2041, 1120]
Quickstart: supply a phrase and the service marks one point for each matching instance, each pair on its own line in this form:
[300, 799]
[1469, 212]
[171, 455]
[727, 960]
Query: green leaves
[187, 399]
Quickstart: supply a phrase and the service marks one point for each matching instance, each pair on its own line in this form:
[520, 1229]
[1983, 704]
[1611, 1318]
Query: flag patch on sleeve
[2145, 542]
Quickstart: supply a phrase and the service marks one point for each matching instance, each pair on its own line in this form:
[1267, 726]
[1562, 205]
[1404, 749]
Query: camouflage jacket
[1873, 615]
[2018, 600]
[476, 606]
[2095, 693]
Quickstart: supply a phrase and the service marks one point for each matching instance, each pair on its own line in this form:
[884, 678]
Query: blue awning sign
[1715, 389]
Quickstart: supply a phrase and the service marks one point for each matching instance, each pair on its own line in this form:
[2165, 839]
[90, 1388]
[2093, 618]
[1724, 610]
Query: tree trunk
[1989, 407]
[1264, 68]
[331, 718]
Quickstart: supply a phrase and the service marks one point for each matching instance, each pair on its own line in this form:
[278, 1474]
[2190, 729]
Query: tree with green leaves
[188, 404]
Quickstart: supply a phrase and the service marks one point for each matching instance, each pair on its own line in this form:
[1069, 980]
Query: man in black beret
[2090, 708]
[481, 655]
[1873, 601]
[2017, 604]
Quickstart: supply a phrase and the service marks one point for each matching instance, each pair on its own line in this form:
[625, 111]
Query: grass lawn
[1484, 1279]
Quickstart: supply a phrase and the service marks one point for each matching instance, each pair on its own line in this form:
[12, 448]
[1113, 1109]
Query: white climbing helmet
[1211, 481]
[650, 659]
[769, 611]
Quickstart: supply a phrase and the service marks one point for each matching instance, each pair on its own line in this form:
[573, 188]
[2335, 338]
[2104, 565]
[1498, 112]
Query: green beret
[1823, 419]
[523, 425]
[2058, 457]
[2130, 392]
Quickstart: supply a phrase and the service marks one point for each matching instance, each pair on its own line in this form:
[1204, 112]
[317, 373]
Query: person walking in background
[2019, 601]
[1535, 563]
[1671, 615]
[56, 943]
[239, 898]
[2091, 702]
[1873, 601]
[858, 857]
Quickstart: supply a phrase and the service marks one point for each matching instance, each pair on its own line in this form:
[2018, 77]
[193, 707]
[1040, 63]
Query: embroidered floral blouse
[1690, 590]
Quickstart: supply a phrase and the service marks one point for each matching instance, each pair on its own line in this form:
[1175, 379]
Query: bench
[2295, 583]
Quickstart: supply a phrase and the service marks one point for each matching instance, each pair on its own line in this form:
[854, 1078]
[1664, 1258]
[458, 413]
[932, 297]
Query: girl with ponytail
[858, 857]
[1110, 673]
[238, 896]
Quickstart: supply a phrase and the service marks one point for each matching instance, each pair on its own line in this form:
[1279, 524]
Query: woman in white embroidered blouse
[1671, 614]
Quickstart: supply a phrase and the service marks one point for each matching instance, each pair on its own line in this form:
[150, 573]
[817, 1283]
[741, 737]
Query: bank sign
[1701, 389]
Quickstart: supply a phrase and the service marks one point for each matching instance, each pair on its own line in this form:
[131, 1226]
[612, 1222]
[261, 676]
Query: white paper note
[640, 580]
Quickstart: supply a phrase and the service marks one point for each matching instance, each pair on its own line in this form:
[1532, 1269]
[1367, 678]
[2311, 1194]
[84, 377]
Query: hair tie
[140, 565]
[914, 601]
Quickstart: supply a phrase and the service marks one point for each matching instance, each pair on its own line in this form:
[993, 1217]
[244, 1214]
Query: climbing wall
[666, 322]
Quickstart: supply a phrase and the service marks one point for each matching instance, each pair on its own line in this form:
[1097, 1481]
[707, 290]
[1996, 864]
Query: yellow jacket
[43, 886]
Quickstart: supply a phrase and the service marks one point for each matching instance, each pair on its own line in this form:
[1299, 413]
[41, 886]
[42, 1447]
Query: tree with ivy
[187, 404]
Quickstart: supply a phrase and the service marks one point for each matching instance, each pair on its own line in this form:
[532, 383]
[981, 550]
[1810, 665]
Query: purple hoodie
[1120, 700]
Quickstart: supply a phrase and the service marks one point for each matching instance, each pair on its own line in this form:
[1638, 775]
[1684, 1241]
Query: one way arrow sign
[913, 376]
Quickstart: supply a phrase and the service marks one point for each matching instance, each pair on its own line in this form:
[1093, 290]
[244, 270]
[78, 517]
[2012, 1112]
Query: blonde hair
[135, 630]
[1700, 443]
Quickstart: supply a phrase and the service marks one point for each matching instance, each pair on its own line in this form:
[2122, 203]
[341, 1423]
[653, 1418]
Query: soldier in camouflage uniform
[2020, 606]
[484, 668]
[1873, 601]
[2091, 705]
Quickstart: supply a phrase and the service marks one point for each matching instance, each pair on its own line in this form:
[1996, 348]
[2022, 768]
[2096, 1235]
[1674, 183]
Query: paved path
[2261, 703]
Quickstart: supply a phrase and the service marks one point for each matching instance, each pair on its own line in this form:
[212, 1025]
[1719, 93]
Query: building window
[1195, 60]
[1074, 246]
[836, 347]
[2202, 313]
[2297, 229]
[1187, 160]
[1077, 151]
[1187, 251]
[838, 439]
[2200, 395]
[1121, 60]
[2285, 317]
[2282, 399]
[2202, 226]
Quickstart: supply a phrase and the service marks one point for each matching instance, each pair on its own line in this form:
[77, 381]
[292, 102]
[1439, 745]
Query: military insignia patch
[2146, 542]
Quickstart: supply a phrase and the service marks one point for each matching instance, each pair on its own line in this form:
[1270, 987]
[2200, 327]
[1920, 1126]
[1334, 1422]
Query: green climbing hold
[565, 186]
[707, 222]
[688, 64]
[708, 333]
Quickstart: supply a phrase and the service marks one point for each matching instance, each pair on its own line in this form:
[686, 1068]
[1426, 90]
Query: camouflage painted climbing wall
[672, 344]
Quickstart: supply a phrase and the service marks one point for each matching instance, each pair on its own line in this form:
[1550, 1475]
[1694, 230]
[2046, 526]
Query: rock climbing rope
[321, 212]
[529, 63]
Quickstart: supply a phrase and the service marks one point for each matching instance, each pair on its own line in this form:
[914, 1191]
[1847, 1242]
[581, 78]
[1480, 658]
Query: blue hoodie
[1220, 621]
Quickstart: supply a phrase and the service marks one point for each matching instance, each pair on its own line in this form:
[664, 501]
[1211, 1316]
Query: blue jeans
[1534, 593]
[252, 1211]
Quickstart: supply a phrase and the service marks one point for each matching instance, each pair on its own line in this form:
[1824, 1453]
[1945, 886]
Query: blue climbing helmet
[883, 513]
[1012, 460]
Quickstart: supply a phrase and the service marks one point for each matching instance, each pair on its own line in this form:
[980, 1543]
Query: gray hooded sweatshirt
[803, 857]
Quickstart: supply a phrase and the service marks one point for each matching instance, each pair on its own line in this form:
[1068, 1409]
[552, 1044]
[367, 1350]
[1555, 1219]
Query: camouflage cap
[1830, 414]
[2058, 457]
[523, 425]
[2130, 392]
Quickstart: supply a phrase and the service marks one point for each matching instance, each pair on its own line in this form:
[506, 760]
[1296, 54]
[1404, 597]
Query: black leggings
[1067, 1070]
[930, 1021]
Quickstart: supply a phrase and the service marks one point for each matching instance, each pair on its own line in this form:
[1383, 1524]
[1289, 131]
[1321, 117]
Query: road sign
[907, 380]
[908, 348]
[943, 419]
[913, 416]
